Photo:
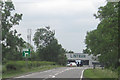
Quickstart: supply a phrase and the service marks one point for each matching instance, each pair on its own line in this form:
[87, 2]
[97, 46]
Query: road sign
[26, 52]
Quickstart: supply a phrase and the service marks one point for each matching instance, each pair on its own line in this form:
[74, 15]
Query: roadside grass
[99, 74]
[24, 71]
[0, 71]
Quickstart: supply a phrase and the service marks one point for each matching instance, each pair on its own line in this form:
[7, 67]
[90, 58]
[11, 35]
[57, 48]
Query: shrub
[4, 69]
[18, 65]
[119, 72]
[14, 65]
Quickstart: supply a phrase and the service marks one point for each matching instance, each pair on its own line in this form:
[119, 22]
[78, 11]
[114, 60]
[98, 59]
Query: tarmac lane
[62, 73]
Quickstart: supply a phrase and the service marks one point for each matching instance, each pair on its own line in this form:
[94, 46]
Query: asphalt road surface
[62, 72]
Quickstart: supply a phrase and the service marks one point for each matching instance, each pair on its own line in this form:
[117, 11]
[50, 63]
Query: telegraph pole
[29, 33]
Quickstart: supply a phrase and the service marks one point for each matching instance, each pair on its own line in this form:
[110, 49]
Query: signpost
[26, 52]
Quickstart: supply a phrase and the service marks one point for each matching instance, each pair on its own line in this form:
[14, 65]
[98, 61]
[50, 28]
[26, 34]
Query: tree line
[48, 48]
[103, 41]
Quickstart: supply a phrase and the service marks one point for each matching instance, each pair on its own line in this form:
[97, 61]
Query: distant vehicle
[72, 64]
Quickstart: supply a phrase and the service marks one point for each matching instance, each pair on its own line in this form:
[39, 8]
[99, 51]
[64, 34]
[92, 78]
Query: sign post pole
[26, 54]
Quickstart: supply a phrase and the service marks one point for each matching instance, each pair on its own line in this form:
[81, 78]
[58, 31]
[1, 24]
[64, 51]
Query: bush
[4, 69]
[13, 65]
[119, 72]
[18, 65]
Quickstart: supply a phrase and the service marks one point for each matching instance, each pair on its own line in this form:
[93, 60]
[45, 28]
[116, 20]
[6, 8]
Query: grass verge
[25, 71]
[99, 74]
[0, 71]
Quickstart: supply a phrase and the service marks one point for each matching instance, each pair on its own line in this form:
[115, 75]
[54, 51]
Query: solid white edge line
[82, 73]
[33, 73]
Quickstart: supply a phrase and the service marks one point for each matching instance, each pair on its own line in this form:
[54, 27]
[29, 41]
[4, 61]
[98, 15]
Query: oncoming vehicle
[72, 64]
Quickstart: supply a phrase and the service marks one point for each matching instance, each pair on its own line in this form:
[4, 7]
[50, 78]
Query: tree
[43, 37]
[48, 48]
[62, 60]
[70, 51]
[104, 39]
[12, 43]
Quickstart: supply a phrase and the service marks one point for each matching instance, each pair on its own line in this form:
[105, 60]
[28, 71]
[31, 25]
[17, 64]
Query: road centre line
[61, 72]
[47, 71]
[53, 76]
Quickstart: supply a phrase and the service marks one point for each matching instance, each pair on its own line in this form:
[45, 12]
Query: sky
[71, 19]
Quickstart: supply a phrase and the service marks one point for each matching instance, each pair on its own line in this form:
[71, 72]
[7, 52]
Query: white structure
[86, 59]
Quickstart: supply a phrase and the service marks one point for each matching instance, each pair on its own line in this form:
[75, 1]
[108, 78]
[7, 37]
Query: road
[58, 73]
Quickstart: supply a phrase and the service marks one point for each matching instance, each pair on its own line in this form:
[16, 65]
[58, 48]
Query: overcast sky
[70, 19]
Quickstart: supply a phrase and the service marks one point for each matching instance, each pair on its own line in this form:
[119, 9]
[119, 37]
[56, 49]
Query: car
[72, 64]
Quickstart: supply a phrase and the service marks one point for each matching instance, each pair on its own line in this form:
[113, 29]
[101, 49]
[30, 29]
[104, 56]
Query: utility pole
[29, 33]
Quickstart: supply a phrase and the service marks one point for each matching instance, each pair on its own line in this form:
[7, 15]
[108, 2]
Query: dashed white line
[53, 76]
[60, 72]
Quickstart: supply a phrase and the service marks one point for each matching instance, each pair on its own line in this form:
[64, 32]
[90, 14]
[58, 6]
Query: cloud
[71, 19]
[54, 7]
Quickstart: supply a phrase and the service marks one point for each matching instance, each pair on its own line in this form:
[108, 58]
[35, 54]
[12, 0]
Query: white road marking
[24, 76]
[33, 74]
[53, 76]
[60, 72]
[82, 74]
